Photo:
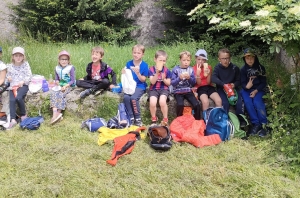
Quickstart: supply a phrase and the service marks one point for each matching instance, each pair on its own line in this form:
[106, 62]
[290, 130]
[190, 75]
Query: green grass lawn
[66, 161]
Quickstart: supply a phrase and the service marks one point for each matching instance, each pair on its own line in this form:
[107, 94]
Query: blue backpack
[93, 124]
[217, 122]
[32, 123]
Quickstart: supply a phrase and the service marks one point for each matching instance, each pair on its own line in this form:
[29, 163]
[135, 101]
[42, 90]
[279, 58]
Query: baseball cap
[18, 50]
[64, 52]
[249, 52]
[202, 53]
[0, 49]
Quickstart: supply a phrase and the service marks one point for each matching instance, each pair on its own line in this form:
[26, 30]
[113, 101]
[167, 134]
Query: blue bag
[93, 124]
[217, 122]
[32, 123]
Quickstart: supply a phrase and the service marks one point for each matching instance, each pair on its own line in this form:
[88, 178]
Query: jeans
[19, 100]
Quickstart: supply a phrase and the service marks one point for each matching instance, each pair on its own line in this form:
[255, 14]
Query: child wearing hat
[65, 78]
[226, 75]
[203, 84]
[253, 81]
[18, 74]
[98, 73]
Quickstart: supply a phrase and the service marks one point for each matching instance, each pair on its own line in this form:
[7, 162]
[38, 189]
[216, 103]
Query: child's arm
[192, 79]
[215, 77]
[27, 74]
[208, 79]
[72, 76]
[113, 78]
[153, 76]
[175, 79]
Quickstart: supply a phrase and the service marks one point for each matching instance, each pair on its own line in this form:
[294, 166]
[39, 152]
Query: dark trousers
[95, 85]
[192, 100]
[132, 103]
[19, 100]
[238, 106]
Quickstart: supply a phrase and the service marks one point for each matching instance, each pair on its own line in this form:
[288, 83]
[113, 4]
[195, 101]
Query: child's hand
[136, 70]
[187, 76]
[253, 93]
[163, 76]
[21, 83]
[250, 83]
[207, 71]
[123, 71]
[9, 78]
[111, 86]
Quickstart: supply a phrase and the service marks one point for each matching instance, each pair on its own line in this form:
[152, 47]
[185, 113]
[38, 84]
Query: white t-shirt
[2, 66]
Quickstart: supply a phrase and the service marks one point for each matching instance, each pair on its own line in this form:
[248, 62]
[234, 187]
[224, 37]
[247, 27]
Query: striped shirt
[159, 85]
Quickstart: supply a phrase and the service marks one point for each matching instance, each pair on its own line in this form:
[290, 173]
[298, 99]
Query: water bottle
[45, 86]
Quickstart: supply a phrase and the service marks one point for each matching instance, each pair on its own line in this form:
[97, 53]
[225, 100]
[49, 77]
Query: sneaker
[12, 124]
[56, 118]
[164, 122]
[263, 132]
[85, 93]
[154, 120]
[138, 122]
[131, 121]
[255, 129]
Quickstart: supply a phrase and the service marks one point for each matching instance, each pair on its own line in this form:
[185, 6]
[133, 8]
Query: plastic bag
[128, 83]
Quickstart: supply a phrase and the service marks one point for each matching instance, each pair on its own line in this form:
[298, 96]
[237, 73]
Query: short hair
[224, 50]
[185, 53]
[161, 53]
[98, 49]
[140, 47]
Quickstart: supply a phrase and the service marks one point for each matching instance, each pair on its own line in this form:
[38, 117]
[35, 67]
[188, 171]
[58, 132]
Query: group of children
[184, 80]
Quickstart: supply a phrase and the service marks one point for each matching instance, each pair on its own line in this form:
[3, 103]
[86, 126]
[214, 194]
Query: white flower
[261, 27]
[214, 20]
[295, 10]
[245, 23]
[195, 9]
[262, 13]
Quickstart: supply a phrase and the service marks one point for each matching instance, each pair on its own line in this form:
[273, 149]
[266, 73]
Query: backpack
[238, 132]
[160, 138]
[217, 122]
[31, 123]
[93, 124]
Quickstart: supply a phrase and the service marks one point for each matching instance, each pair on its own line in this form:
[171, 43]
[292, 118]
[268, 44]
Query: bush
[64, 20]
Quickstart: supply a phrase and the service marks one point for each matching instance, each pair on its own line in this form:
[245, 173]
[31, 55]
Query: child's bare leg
[204, 101]
[163, 105]
[216, 98]
[152, 106]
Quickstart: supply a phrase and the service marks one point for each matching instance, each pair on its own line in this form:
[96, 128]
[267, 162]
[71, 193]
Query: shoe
[131, 121]
[85, 93]
[154, 120]
[255, 129]
[138, 122]
[243, 123]
[12, 124]
[264, 131]
[164, 122]
[56, 118]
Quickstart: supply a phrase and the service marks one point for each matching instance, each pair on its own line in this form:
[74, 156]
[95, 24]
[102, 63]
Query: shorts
[156, 93]
[207, 89]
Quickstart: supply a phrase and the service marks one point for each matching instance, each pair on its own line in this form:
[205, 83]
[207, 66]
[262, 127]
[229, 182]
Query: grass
[65, 161]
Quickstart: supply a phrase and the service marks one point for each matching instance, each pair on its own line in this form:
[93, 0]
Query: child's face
[200, 60]
[137, 54]
[63, 60]
[185, 61]
[96, 57]
[160, 60]
[250, 60]
[224, 59]
[18, 58]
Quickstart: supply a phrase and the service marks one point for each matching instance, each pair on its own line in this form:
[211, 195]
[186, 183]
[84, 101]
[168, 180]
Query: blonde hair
[161, 53]
[187, 53]
[224, 50]
[98, 49]
[140, 47]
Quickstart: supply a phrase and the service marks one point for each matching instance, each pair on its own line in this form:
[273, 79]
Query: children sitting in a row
[182, 78]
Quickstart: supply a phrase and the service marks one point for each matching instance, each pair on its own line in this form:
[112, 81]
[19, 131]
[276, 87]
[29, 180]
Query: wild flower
[195, 9]
[245, 23]
[214, 20]
[262, 13]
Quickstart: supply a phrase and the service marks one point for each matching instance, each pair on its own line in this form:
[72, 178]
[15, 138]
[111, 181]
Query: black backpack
[160, 138]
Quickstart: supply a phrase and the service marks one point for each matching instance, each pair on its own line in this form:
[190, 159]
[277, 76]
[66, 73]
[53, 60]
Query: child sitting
[183, 79]
[160, 79]
[139, 70]
[65, 77]
[97, 75]
[204, 87]
[18, 74]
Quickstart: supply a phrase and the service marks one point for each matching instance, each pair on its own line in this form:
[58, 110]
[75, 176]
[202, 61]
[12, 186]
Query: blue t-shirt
[143, 71]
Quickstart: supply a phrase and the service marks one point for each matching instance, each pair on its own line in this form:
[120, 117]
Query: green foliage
[76, 20]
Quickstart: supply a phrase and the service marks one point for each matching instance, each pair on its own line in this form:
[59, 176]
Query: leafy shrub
[64, 20]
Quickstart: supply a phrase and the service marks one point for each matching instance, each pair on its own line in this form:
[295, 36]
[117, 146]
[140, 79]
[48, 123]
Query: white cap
[18, 50]
[202, 53]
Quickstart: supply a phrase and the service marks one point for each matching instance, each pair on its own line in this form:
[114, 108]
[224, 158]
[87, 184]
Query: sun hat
[18, 50]
[64, 52]
[249, 52]
[202, 53]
